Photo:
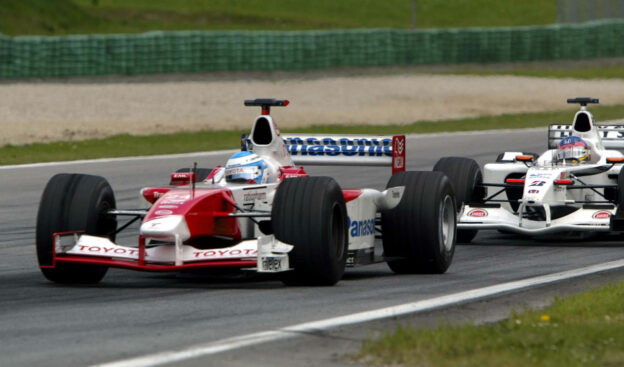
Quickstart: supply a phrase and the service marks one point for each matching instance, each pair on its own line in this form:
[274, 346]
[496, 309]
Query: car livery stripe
[350, 195]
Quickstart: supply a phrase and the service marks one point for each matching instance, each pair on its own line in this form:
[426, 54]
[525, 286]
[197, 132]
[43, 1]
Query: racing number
[537, 183]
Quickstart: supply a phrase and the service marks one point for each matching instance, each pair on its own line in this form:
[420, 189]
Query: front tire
[73, 202]
[421, 230]
[310, 214]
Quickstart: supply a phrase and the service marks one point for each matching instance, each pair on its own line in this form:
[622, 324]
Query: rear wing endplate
[351, 150]
[612, 136]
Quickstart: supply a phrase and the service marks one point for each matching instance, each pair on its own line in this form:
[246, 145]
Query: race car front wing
[589, 218]
[265, 254]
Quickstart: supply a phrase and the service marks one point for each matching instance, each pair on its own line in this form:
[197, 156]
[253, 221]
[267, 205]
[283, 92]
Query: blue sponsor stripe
[359, 228]
[293, 140]
[339, 150]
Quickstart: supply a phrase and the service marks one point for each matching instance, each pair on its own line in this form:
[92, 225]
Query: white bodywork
[546, 204]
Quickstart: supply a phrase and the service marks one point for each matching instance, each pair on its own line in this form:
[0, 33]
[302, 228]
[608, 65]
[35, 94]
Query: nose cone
[166, 228]
[536, 187]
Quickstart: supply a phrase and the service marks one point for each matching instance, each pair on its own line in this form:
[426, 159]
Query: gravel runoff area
[34, 111]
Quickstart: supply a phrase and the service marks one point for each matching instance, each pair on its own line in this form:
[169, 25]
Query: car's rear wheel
[73, 202]
[466, 178]
[421, 231]
[620, 191]
[310, 214]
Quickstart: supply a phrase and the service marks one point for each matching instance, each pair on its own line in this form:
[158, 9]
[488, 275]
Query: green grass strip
[587, 72]
[581, 330]
[130, 145]
[46, 17]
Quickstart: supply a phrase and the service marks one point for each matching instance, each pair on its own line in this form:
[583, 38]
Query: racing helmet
[245, 167]
[572, 149]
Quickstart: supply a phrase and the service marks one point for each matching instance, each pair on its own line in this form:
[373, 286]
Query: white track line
[367, 316]
[231, 151]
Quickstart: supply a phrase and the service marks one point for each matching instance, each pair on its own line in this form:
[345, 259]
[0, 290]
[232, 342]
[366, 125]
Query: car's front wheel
[310, 214]
[73, 202]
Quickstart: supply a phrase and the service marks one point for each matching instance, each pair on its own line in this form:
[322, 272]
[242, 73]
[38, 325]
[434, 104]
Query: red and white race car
[259, 212]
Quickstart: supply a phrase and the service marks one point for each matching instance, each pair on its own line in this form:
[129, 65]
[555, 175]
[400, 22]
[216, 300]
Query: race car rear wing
[612, 135]
[357, 150]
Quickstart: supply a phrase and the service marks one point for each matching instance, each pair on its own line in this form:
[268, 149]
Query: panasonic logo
[359, 228]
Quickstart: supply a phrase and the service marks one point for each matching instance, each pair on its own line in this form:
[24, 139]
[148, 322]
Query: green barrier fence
[173, 52]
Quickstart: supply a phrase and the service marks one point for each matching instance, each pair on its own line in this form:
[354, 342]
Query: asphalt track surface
[132, 314]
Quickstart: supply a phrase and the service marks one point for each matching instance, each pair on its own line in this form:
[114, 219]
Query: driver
[247, 167]
[572, 149]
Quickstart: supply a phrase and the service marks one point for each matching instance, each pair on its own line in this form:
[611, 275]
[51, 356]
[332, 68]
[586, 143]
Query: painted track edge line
[360, 317]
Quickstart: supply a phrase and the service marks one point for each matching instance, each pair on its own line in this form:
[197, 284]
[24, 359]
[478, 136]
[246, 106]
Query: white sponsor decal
[103, 250]
[168, 206]
[224, 253]
[176, 198]
[254, 170]
[399, 162]
[254, 195]
[540, 175]
[478, 213]
[601, 215]
[399, 145]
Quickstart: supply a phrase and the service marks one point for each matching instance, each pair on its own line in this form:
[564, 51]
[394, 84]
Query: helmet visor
[242, 174]
[572, 154]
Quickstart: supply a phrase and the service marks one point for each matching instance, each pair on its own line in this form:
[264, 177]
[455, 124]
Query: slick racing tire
[620, 191]
[73, 202]
[310, 214]
[421, 231]
[465, 176]
[202, 173]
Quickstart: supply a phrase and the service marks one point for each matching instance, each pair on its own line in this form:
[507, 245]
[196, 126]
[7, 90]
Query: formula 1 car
[260, 213]
[574, 188]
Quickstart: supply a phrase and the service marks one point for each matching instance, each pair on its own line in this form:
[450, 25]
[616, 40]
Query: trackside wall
[181, 52]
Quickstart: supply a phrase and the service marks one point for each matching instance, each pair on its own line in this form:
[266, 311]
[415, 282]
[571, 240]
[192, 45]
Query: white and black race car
[260, 212]
[575, 187]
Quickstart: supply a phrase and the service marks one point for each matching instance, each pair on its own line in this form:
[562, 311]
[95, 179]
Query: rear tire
[465, 175]
[422, 228]
[310, 214]
[620, 191]
[73, 202]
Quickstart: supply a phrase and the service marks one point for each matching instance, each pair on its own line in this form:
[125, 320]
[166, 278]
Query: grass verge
[184, 142]
[555, 71]
[47, 17]
[581, 330]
